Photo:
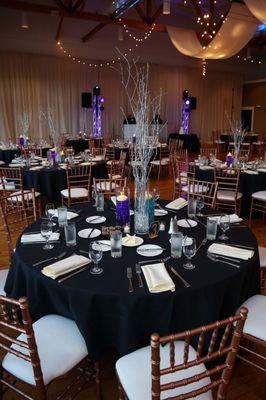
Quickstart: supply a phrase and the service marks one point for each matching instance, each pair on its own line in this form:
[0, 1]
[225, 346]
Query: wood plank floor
[247, 383]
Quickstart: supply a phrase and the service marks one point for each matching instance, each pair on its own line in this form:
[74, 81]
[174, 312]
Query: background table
[50, 181]
[107, 315]
[8, 155]
[78, 145]
[226, 137]
[190, 141]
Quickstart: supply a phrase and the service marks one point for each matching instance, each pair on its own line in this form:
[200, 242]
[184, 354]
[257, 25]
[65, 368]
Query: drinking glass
[49, 212]
[46, 231]
[191, 208]
[224, 224]
[94, 196]
[211, 231]
[189, 250]
[62, 216]
[176, 244]
[200, 205]
[70, 234]
[96, 254]
[100, 202]
[116, 244]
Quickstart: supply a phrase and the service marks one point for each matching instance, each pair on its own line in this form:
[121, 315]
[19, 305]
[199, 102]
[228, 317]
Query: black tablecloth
[248, 138]
[190, 141]
[8, 155]
[50, 181]
[248, 184]
[78, 145]
[107, 315]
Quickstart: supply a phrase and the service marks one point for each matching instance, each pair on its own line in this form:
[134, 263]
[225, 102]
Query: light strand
[248, 59]
[146, 35]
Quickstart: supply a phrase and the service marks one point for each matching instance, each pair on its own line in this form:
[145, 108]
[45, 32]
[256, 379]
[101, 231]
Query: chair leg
[98, 380]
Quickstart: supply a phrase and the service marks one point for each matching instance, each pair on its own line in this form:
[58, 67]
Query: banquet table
[190, 141]
[78, 145]
[250, 138]
[106, 314]
[50, 181]
[7, 155]
[248, 183]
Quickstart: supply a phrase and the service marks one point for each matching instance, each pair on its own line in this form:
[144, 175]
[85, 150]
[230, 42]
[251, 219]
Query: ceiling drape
[257, 8]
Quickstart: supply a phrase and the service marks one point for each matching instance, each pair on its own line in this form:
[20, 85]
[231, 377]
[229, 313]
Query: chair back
[228, 179]
[110, 152]
[15, 318]
[78, 176]
[99, 151]
[181, 154]
[123, 155]
[244, 154]
[208, 151]
[206, 190]
[108, 187]
[173, 145]
[117, 169]
[17, 212]
[214, 343]
[10, 180]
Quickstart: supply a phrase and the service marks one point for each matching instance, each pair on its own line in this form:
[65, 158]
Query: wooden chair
[108, 187]
[228, 196]
[26, 151]
[244, 154]
[258, 146]
[162, 163]
[206, 190]
[16, 214]
[42, 353]
[109, 153]
[173, 145]
[217, 142]
[116, 169]
[78, 185]
[182, 172]
[258, 203]
[99, 153]
[208, 151]
[172, 368]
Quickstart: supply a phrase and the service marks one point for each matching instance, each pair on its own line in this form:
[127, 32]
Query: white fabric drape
[234, 34]
[258, 8]
[34, 83]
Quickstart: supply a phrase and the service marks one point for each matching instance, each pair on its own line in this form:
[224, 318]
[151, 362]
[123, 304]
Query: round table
[107, 314]
[190, 141]
[78, 145]
[50, 181]
[8, 155]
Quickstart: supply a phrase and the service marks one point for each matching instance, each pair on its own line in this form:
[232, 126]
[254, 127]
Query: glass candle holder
[122, 206]
[150, 203]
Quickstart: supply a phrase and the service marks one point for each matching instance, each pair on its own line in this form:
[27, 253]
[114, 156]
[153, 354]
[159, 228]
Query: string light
[204, 67]
[139, 39]
[248, 59]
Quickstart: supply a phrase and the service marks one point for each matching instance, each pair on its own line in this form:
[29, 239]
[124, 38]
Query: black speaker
[86, 100]
[193, 103]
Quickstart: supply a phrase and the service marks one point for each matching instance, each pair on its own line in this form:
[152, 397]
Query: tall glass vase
[236, 157]
[141, 211]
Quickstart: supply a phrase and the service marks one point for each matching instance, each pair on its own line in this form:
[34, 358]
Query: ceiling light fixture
[166, 7]
[24, 21]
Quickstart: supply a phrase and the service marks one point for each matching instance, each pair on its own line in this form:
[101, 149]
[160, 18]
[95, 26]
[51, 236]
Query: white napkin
[177, 204]
[261, 169]
[97, 158]
[70, 214]
[37, 168]
[113, 198]
[130, 239]
[233, 218]
[87, 163]
[157, 278]
[205, 167]
[251, 172]
[15, 165]
[66, 265]
[227, 250]
[37, 237]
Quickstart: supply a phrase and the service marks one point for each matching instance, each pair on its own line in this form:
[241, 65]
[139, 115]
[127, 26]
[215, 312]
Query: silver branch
[237, 133]
[49, 118]
[24, 123]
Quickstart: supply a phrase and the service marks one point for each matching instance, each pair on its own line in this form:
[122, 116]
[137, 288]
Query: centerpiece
[237, 136]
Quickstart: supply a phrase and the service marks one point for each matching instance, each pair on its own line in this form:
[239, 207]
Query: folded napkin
[70, 214]
[66, 265]
[251, 172]
[37, 168]
[233, 218]
[37, 237]
[15, 165]
[97, 158]
[130, 239]
[227, 250]
[177, 204]
[261, 169]
[87, 163]
[113, 198]
[157, 278]
[205, 167]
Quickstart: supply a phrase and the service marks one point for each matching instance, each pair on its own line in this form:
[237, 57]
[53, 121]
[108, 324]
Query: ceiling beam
[148, 11]
[58, 32]
[140, 13]
[157, 13]
[97, 28]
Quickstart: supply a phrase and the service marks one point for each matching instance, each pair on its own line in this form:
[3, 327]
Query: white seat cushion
[227, 195]
[198, 189]
[134, 371]
[60, 347]
[132, 163]
[262, 254]
[259, 195]
[2, 162]
[105, 185]
[157, 162]
[114, 176]
[27, 195]
[256, 319]
[7, 185]
[3, 276]
[75, 193]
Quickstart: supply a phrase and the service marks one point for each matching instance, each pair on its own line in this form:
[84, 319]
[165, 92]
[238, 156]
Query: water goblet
[224, 223]
[46, 231]
[49, 212]
[95, 254]
[189, 250]
[200, 205]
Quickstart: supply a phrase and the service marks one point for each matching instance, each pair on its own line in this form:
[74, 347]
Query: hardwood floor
[247, 382]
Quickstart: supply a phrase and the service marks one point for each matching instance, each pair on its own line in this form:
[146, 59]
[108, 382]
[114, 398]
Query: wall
[254, 95]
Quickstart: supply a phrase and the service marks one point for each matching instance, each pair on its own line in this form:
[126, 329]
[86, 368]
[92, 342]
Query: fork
[129, 276]
[227, 258]
[138, 272]
[216, 259]
[204, 241]
[49, 259]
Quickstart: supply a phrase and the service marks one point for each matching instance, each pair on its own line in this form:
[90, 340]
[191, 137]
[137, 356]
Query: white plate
[160, 213]
[187, 239]
[189, 223]
[138, 241]
[85, 232]
[131, 212]
[92, 220]
[105, 245]
[156, 250]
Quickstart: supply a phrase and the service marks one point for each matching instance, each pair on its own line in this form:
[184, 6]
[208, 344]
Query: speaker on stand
[86, 104]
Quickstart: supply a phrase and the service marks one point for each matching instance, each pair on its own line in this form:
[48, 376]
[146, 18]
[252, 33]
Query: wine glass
[46, 231]
[189, 250]
[49, 212]
[200, 205]
[94, 195]
[95, 253]
[224, 223]
[156, 195]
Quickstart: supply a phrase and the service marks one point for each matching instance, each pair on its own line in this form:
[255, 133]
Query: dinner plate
[84, 233]
[96, 219]
[105, 245]
[187, 223]
[155, 250]
[188, 241]
[138, 241]
[160, 213]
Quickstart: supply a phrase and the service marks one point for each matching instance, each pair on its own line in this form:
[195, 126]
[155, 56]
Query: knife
[73, 274]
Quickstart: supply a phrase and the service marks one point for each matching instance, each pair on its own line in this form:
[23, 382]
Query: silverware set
[216, 258]
[74, 273]
[174, 271]
[50, 259]
[130, 283]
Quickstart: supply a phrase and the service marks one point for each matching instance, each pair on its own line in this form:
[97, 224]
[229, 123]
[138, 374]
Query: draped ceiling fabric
[257, 8]
[233, 35]
[34, 83]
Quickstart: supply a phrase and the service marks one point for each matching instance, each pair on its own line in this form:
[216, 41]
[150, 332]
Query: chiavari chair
[206, 190]
[208, 152]
[122, 155]
[173, 145]
[244, 154]
[162, 163]
[16, 214]
[37, 150]
[257, 147]
[116, 169]
[258, 204]
[109, 153]
[228, 196]
[108, 187]
[99, 152]
[172, 368]
[182, 172]
[217, 142]
[78, 185]
[36, 360]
